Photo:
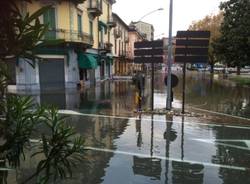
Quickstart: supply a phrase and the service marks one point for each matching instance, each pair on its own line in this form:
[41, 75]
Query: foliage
[233, 47]
[210, 23]
[61, 149]
[17, 127]
[20, 34]
[19, 117]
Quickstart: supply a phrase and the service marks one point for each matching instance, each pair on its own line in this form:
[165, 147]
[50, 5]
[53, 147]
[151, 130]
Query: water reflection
[187, 173]
[117, 97]
[233, 148]
[147, 151]
[147, 167]
[211, 93]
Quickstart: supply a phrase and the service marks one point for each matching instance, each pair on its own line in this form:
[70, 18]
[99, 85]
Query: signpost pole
[152, 85]
[183, 87]
[169, 101]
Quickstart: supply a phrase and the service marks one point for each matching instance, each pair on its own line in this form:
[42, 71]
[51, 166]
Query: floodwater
[125, 147]
[117, 97]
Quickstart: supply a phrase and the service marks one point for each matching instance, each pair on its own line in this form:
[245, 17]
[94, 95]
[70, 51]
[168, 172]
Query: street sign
[191, 47]
[155, 59]
[149, 44]
[150, 52]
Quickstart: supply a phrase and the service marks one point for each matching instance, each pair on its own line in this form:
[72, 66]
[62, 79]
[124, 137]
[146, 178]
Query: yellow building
[84, 26]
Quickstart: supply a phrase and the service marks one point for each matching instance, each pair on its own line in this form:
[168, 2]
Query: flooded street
[125, 147]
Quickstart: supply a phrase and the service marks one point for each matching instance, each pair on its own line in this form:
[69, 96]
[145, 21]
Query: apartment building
[146, 29]
[134, 36]
[84, 27]
[121, 44]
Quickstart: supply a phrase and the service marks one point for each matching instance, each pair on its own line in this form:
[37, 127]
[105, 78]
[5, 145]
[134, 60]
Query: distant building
[146, 29]
[134, 36]
[120, 48]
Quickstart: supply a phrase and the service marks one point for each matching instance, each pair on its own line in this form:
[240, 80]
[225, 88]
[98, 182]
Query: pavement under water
[126, 147]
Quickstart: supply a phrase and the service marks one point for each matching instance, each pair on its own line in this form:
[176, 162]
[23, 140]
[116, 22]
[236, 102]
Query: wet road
[124, 147]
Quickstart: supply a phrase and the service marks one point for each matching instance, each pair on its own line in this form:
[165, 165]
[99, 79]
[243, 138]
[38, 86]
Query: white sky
[185, 11]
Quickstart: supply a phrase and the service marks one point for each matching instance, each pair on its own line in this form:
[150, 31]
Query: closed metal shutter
[51, 74]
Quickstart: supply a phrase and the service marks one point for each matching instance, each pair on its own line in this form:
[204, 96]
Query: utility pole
[170, 56]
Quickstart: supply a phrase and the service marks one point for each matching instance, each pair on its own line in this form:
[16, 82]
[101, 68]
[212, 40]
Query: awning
[87, 61]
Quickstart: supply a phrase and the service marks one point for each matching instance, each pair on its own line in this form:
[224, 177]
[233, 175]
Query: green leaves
[61, 148]
[233, 47]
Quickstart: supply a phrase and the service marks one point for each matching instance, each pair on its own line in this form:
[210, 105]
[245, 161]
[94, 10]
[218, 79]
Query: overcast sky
[185, 11]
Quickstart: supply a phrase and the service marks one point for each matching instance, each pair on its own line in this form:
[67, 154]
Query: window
[79, 23]
[91, 28]
[49, 18]
[115, 46]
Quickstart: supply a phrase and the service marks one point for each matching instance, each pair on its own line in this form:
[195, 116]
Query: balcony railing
[95, 7]
[106, 47]
[117, 33]
[69, 36]
[126, 39]
[111, 22]
[54, 1]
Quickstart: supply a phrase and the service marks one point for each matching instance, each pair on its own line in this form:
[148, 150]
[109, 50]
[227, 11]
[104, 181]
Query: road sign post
[149, 52]
[170, 55]
[191, 47]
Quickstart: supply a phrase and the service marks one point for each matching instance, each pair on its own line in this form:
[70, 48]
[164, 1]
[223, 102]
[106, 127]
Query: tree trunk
[238, 70]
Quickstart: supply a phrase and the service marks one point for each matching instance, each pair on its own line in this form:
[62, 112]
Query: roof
[116, 17]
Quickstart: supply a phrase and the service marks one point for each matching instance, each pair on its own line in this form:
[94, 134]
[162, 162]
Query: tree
[210, 23]
[233, 47]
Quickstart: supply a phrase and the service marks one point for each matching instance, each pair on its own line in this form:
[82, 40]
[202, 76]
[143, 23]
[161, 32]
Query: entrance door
[51, 74]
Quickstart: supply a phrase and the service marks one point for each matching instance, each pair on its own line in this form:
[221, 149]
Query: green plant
[19, 117]
[16, 128]
[61, 149]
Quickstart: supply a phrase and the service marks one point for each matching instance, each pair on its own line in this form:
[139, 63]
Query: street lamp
[159, 9]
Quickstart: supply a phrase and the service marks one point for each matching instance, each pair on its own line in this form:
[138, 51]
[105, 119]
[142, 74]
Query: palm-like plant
[61, 149]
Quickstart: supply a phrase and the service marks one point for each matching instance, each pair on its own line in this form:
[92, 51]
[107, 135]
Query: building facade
[134, 36]
[120, 46]
[84, 55]
[146, 29]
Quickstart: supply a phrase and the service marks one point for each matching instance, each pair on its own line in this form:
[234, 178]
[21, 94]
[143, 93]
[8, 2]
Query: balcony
[111, 23]
[95, 8]
[124, 54]
[105, 47]
[117, 33]
[51, 2]
[69, 36]
[126, 39]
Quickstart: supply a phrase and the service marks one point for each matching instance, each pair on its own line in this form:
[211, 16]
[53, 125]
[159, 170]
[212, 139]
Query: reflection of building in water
[97, 132]
[122, 99]
[150, 167]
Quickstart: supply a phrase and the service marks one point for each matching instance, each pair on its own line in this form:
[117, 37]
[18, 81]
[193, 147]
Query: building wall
[145, 28]
[66, 19]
